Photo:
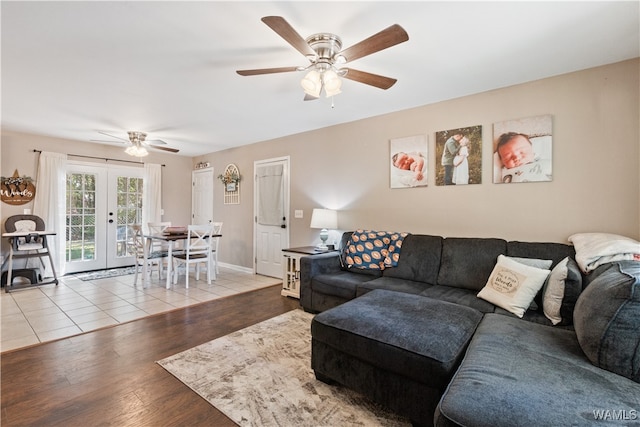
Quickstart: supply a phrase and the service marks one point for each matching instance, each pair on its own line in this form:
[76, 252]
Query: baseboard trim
[237, 268]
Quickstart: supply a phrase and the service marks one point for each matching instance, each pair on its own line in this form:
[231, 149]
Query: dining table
[170, 238]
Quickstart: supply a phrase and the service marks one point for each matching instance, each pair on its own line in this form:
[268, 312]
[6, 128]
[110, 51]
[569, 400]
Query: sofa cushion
[513, 285]
[607, 319]
[392, 284]
[341, 284]
[468, 262]
[518, 373]
[419, 259]
[459, 296]
[417, 337]
[561, 291]
[556, 252]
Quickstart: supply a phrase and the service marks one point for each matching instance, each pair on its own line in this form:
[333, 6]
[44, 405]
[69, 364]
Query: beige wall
[595, 187]
[17, 153]
[596, 160]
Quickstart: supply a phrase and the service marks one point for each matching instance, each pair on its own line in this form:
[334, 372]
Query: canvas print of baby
[408, 162]
[523, 150]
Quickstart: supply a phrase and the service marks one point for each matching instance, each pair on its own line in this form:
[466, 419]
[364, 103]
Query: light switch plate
[298, 213]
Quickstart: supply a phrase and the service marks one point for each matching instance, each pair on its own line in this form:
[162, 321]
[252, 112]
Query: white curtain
[50, 205]
[271, 202]
[151, 195]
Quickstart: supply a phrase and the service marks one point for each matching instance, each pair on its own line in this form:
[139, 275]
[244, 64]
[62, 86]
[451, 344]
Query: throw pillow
[513, 285]
[534, 262]
[561, 291]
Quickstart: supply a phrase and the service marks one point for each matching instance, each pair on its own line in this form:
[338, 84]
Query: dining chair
[197, 251]
[159, 245]
[217, 229]
[136, 248]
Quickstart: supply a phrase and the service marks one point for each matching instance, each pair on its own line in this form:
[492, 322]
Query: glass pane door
[126, 212]
[102, 202]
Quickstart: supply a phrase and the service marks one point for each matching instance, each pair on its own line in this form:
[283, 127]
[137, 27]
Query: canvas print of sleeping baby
[408, 162]
[522, 150]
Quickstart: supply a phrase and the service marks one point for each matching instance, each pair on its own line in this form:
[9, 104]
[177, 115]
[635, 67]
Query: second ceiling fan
[326, 56]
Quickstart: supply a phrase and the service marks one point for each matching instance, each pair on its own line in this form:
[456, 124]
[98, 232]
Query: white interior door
[101, 203]
[271, 209]
[202, 196]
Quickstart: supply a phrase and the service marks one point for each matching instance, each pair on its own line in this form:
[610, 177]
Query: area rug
[103, 274]
[262, 376]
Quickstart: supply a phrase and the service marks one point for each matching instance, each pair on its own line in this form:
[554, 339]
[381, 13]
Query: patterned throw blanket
[373, 250]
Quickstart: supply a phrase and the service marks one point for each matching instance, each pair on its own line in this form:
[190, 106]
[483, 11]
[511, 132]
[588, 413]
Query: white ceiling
[72, 69]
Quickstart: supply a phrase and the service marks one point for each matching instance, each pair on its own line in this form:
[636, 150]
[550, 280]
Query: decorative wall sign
[17, 190]
[408, 162]
[459, 156]
[522, 150]
[231, 180]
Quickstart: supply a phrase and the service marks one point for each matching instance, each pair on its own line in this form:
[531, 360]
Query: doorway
[271, 215]
[101, 203]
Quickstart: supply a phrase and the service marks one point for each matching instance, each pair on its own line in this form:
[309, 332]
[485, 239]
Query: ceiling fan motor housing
[327, 47]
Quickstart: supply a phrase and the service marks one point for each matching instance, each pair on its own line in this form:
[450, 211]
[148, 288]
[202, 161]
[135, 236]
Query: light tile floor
[33, 315]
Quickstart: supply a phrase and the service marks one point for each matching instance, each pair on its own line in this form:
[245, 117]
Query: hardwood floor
[109, 377]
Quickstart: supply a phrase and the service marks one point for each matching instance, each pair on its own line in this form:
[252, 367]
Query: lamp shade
[324, 218]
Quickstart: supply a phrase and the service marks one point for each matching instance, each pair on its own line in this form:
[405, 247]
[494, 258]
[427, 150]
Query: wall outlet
[298, 213]
[26, 211]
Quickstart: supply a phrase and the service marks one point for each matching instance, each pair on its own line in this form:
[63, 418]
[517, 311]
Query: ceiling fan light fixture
[332, 82]
[312, 84]
[136, 151]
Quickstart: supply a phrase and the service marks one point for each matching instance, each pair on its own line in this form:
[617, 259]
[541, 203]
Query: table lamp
[324, 219]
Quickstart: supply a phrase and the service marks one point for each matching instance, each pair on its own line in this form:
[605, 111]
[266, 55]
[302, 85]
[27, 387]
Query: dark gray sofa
[510, 371]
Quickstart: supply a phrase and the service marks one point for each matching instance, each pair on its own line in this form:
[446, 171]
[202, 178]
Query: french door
[101, 203]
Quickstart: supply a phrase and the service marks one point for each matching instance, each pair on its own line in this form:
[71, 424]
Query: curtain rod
[99, 158]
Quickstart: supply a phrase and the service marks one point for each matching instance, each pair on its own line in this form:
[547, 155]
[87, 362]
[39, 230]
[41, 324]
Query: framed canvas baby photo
[408, 162]
[522, 150]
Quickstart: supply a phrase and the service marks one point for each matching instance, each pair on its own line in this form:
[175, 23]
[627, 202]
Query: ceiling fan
[326, 56]
[137, 143]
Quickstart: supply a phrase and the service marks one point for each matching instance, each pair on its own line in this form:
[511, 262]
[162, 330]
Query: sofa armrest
[311, 266]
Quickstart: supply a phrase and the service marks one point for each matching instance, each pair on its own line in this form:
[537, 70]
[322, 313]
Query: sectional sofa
[480, 331]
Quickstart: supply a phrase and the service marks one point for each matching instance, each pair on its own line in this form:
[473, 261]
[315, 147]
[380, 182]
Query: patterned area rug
[103, 274]
[262, 376]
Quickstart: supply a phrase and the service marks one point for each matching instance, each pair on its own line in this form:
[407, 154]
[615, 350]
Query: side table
[291, 268]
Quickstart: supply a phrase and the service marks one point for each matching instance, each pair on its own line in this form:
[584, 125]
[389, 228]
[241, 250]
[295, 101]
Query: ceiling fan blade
[308, 97]
[113, 136]
[370, 79]
[158, 147]
[110, 142]
[266, 71]
[388, 37]
[286, 31]
[155, 141]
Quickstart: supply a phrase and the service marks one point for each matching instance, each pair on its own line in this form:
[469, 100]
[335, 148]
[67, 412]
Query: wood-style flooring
[109, 377]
